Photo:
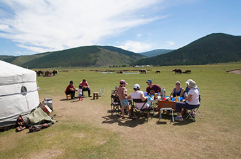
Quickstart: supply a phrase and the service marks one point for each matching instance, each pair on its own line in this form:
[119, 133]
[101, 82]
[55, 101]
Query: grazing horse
[177, 71]
[143, 71]
[55, 72]
[158, 71]
[47, 73]
[39, 73]
[120, 72]
[187, 71]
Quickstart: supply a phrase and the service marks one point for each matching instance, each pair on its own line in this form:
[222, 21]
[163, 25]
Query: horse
[177, 71]
[143, 71]
[120, 72]
[39, 72]
[187, 71]
[55, 72]
[158, 71]
[47, 74]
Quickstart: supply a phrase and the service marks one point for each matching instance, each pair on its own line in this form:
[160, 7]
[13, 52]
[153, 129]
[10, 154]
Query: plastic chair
[102, 91]
[170, 109]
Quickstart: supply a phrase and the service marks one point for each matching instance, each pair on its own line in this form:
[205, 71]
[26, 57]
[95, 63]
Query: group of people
[191, 95]
[83, 86]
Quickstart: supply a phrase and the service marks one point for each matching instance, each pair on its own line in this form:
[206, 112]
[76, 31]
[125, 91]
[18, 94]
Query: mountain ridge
[213, 48]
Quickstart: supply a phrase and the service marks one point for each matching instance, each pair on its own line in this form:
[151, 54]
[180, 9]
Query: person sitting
[71, 90]
[152, 88]
[192, 100]
[178, 90]
[138, 95]
[187, 89]
[85, 87]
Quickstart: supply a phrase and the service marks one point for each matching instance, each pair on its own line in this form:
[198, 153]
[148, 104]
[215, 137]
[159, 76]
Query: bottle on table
[176, 99]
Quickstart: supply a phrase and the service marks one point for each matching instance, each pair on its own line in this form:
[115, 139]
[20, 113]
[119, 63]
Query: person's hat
[192, 84]
[188, 81]
[136, 86]
[149, 80]
[123, 82]
[178, 82]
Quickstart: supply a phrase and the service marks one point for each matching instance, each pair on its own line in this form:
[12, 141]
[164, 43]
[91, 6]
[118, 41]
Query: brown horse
[48, 74]
[39, 73]
[187, 71]
[158, 71]
[143, 71]
[177, 71]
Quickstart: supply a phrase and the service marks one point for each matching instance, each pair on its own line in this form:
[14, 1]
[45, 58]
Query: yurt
[18, 92]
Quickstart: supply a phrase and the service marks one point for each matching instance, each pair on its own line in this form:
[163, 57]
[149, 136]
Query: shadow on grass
[184, 122]
[111, 119]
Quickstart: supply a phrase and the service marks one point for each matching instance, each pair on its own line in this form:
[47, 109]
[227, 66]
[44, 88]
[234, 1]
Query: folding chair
[136, 112]
[191, 111]
[115, 105]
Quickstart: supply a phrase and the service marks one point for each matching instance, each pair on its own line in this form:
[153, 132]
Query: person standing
[71, 90]
[80, 93]
[121, 92]
[85, 87]
[152, 88]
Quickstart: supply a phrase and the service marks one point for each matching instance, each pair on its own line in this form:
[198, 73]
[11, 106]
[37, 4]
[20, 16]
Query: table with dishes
[163, 102]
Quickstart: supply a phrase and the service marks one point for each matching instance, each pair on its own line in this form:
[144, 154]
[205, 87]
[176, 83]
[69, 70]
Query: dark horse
[187, 71]
[39, 73]
[177, 71]
[47, 73]
[158, 71]
[55, 72]
[143, 71]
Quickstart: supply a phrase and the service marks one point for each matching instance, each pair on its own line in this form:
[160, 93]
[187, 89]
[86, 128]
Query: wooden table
[168, 104]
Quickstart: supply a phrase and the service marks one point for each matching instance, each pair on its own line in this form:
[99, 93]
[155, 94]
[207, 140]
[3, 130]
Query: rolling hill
[7, 58]
[213, 48]
[86, 56]
[155, 52]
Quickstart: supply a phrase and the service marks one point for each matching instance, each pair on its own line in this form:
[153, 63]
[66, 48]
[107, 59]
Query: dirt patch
[238, 71]
[47, 154]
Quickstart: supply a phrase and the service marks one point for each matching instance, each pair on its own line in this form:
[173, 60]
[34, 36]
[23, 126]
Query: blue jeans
[180, 105]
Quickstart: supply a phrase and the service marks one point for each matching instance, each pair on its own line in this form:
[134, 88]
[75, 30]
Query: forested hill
[155, 52]
[86, 56]
[213, 48]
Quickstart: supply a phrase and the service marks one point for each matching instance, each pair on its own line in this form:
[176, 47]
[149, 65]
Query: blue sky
[28, 27]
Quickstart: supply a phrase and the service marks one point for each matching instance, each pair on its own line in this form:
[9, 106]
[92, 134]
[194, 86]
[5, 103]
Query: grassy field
[87, 130]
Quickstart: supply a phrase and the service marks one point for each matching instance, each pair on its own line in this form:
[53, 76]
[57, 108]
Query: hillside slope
[86, 56]
[155, 52]
[213, 48]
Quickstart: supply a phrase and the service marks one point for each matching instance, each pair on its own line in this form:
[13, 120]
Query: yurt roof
[11, 74]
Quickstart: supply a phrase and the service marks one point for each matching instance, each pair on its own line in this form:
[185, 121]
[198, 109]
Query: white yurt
[18, 92]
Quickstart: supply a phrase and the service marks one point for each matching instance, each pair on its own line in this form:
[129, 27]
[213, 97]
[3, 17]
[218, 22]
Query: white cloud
[170, 43]
[138, 35]
[46, 25]
[136, 46]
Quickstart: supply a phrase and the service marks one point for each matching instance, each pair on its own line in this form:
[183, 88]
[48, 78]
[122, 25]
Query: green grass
[216, 135]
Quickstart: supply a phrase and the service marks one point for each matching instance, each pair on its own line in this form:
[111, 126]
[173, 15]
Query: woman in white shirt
[192, 100]
[138, 95]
